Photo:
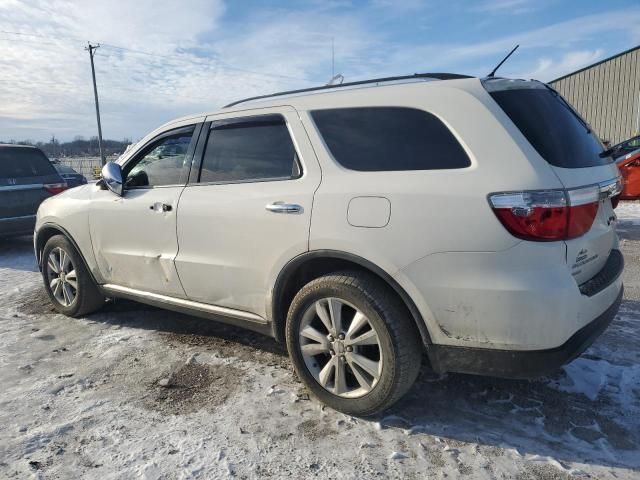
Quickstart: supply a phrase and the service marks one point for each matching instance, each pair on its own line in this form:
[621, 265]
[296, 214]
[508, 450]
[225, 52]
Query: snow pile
[584, 376]
[628, 212]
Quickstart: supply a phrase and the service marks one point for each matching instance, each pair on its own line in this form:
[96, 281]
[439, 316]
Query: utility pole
[91, 49]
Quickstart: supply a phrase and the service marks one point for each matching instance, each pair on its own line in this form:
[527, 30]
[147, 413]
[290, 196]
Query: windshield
[16, 162]
[553, 128]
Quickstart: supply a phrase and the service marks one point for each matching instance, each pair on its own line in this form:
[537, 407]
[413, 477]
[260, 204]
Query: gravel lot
[83, 398]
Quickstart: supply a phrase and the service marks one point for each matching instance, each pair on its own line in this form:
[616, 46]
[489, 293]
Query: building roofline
[426, 76]
[595, 64]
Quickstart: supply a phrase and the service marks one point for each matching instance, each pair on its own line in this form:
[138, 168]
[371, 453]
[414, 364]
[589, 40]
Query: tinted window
[551, 127]
[389, 138]
[16, 162]
[64, 169]
[251, 150]
[162, 163]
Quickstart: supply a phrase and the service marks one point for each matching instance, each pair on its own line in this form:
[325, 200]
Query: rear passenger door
[247, 208]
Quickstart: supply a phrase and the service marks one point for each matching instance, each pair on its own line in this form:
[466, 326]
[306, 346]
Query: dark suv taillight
[55, 188]
[547, 215]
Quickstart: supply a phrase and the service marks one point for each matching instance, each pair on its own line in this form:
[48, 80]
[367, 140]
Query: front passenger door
[134, 236]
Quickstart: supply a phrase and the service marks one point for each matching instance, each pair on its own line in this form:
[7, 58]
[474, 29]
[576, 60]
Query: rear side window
[551, 127]
[17, 162]
[389, 138]
[256, 149]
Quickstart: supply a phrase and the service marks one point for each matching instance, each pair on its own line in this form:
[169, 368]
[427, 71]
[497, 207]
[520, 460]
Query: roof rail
[435, 76]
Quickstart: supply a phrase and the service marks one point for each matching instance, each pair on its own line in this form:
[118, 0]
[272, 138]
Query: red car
[627, 157]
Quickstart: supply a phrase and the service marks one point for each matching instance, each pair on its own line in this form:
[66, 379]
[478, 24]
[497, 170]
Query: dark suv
[26, 179]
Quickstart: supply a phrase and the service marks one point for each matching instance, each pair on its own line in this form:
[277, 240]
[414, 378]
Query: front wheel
[66, 279]
[353, 343]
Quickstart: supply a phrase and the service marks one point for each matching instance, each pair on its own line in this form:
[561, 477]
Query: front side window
[161, 163]
[389, 139]
[255, 149]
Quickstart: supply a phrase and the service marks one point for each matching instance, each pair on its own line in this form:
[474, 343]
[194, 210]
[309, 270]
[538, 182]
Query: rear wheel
[66, 279]
[352, 342]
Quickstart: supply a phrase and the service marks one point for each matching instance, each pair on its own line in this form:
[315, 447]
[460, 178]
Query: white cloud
[506, 6]
[196, 66]
[203, 58]
[480, 57]
[46, 71]
[548, 69]
[565, 34]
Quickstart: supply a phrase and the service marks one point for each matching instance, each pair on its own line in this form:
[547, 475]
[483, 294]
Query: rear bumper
[520, 364]
[10, 227]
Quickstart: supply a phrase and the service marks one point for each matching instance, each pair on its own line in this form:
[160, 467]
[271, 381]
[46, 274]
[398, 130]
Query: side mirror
[112, 176]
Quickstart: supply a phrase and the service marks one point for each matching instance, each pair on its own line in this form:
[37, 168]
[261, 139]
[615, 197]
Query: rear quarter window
[551, 127]
[389, 139]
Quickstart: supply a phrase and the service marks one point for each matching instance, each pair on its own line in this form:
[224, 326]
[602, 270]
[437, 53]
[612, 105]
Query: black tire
[88, 298]
[399, 339]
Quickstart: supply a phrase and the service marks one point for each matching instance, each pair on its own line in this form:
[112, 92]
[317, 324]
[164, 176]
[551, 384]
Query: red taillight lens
[547, 215]
[532, 215]
[583, 207]
[55, 188]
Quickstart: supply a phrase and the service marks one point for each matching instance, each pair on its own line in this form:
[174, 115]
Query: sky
[162, 59]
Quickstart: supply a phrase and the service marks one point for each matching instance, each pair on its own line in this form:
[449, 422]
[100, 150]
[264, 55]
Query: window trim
[194, 128]
[338, 164]
[198, 163]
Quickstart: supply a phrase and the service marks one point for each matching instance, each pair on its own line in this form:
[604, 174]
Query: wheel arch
[42, 236]
[310, 265]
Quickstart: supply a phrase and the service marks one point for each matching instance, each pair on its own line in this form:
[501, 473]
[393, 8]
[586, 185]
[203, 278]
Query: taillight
[547, 215]
[583, 207]
[55, 188]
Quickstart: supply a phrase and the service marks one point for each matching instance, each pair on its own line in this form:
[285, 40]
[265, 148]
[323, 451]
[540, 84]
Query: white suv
[363, 224]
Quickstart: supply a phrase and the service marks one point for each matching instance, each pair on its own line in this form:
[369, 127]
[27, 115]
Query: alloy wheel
[340, 347]
[62, 277]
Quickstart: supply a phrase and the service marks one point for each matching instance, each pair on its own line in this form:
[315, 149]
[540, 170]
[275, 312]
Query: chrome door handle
[281, 207]
[161, 207]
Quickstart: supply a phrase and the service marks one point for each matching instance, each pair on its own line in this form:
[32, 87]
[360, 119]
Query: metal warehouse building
[607, 94]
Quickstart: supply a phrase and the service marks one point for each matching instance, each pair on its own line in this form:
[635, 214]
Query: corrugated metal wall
[607, 94]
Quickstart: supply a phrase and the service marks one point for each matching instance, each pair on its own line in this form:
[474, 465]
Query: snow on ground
[83, 398]
[628, 212]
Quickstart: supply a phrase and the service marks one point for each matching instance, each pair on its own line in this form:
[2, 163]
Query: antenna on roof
[493, 72]
[336, 80]
[333, 59]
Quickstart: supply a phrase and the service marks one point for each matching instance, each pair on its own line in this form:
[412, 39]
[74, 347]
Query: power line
[204, 62]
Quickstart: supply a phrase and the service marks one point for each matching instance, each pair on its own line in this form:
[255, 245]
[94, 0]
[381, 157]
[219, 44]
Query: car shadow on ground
[628, 230]
[543, 417]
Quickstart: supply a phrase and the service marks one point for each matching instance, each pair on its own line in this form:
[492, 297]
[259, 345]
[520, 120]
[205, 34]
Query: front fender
[68, 214]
